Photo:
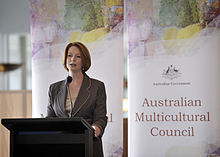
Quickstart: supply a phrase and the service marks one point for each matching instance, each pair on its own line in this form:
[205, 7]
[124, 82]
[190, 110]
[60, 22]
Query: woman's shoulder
[97, 83]
[94, 81]
[57, 84]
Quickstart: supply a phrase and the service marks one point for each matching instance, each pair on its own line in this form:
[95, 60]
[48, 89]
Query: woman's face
[74, 60]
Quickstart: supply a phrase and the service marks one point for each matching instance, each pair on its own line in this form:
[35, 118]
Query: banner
[99, 25]
[173, 78]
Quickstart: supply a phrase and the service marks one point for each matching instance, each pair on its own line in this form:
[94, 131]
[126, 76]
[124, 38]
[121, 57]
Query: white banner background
[198, 63]
[48, 44]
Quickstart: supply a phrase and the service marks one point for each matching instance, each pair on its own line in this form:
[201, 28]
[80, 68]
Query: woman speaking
[79, 95]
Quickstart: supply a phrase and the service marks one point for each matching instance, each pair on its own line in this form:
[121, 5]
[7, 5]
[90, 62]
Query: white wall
[14, 16]
[14, 21]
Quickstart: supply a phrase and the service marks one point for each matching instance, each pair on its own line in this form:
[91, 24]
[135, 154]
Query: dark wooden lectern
[50, 137]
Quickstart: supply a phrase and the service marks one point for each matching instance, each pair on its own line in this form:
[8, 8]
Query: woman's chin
[74, 70]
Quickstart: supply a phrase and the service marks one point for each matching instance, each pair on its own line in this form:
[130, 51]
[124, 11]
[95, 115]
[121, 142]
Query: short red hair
[84, 52]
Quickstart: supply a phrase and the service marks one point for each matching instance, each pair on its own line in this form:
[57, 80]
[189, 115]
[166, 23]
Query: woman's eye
[78, 56]
[69, 55]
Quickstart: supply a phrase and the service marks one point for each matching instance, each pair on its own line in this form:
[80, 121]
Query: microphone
[69, 80]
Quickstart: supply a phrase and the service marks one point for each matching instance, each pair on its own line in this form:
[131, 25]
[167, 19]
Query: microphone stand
[69, 80]
[71, 103]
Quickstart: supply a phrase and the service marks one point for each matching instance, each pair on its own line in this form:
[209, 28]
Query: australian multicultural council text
[163, 110]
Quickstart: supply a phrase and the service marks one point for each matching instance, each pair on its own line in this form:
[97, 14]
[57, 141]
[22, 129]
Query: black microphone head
[69, 79]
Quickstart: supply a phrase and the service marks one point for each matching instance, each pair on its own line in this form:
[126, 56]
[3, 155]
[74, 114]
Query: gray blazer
[90, 103]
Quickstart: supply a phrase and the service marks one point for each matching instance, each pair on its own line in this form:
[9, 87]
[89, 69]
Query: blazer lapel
[83, 95]
[61, 96]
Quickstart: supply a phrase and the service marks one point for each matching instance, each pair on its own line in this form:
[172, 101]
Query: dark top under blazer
[90, 103]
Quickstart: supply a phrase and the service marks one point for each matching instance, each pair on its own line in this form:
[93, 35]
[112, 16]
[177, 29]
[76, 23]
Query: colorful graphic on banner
[99, 25]
[173, 81]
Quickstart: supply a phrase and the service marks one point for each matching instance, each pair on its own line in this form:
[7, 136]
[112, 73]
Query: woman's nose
[73, 58]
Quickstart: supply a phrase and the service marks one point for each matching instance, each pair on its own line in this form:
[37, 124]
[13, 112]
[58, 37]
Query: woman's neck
[76, 76]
